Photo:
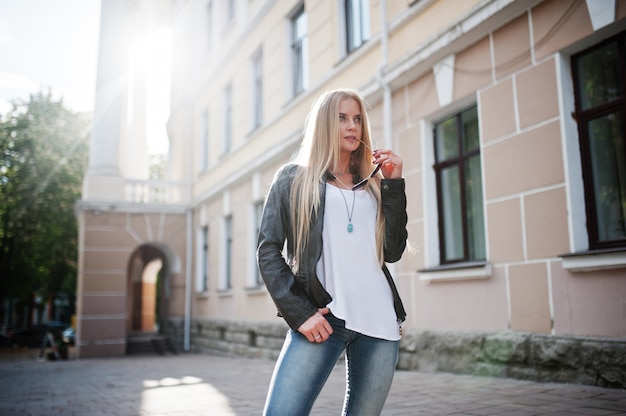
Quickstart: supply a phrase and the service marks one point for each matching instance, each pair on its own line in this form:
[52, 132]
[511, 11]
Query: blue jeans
[303, 368]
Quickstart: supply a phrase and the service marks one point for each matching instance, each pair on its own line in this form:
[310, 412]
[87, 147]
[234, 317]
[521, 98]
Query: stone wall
[526, 356]
[248, 339]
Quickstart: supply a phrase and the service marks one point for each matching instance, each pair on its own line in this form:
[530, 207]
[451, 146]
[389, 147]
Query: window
[258, 213]
[459, 188]
[299, 51]
[357, 13]
[226, 278]
[599, 79]
[204, 141]
[202, 276]
[230, 10]
[228, 119]
[208, 26]
[257, 89]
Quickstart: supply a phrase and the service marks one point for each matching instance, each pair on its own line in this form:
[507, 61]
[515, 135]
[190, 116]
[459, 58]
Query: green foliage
[43, 157]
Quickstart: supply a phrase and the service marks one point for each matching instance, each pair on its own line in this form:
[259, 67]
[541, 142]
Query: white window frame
[580, 259]
[255, 210]
[256, 87]
[227, 133]
[204, 141]
[208, 25]
[226, 266]
[202, 262]
[298, 88]
[358, 21]
[432, 272]
[230, 10]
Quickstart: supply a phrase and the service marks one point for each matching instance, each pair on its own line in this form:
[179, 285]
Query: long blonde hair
[319, 153]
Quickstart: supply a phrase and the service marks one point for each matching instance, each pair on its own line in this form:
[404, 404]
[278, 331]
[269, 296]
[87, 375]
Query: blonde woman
[341, 209]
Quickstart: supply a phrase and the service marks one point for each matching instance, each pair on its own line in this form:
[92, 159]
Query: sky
[53, 45]
[49, 44]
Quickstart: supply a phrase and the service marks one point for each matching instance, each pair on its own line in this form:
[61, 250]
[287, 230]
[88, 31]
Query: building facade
[509, 116]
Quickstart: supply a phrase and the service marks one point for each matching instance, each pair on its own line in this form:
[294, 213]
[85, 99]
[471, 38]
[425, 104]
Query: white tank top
[349, 269]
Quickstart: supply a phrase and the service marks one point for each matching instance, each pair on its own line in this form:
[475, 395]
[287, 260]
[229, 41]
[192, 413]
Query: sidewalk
[193, 384]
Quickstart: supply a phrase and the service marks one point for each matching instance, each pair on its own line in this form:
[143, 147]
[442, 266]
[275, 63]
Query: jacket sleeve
[276, 273]
[394, 208]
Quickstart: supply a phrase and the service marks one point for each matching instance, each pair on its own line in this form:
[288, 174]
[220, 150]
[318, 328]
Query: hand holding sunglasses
[389, 162]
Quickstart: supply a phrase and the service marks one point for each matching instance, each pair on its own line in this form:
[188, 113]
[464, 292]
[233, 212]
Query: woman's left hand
[391, 163]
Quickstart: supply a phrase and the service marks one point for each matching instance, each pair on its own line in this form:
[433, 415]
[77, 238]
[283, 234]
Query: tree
[44, 153]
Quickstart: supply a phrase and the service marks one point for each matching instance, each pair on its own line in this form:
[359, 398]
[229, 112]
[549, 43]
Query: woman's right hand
[316, 328]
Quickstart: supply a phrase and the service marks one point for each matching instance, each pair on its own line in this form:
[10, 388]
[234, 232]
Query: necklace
[351, 211]
[341, 182]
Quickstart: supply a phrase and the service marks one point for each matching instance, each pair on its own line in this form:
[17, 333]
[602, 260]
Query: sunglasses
[363, 182]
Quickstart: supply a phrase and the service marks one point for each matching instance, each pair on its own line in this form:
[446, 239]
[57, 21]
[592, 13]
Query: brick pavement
[193, 384]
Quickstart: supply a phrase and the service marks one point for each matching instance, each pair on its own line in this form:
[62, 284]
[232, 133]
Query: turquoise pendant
[350, 227]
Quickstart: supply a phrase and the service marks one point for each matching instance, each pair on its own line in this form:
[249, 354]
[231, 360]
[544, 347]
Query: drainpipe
[384, 44]
[187, 323]
[188, 273]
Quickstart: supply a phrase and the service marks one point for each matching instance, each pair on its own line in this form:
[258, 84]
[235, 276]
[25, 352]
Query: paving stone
[201, 384]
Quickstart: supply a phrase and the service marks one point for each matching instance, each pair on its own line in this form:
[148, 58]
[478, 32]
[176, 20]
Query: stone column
[104, 179]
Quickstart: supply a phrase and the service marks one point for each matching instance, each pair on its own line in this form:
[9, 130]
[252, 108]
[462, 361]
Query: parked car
[33, 336]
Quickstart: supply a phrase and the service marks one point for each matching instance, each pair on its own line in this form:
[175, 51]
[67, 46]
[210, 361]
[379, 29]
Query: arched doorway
[149, 269]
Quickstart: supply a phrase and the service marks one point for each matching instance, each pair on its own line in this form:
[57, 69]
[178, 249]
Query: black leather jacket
[298, 297]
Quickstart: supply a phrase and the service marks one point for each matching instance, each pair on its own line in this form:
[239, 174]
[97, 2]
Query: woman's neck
[340, 172]
[341, 175]
[342, 168]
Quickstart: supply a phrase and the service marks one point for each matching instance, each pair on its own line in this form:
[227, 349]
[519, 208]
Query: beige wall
[509, 65]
